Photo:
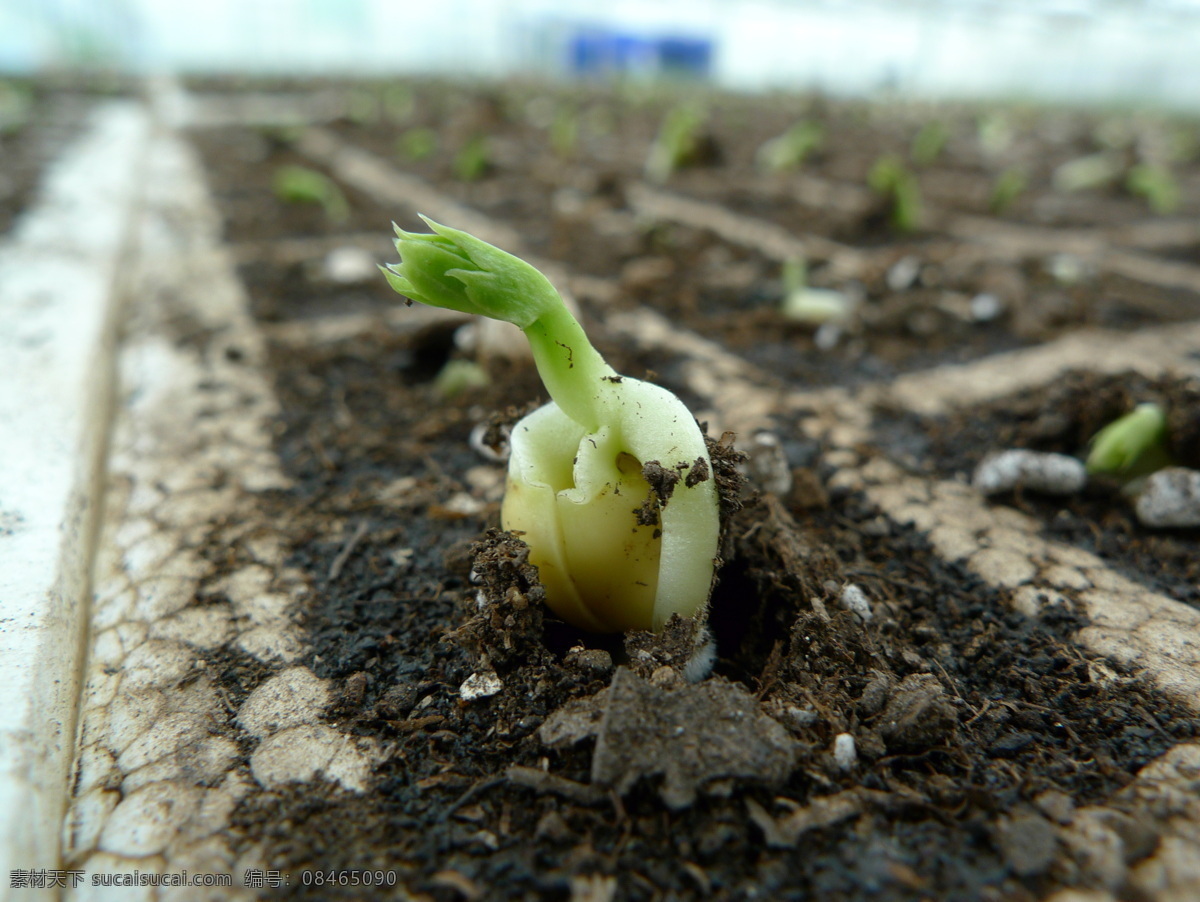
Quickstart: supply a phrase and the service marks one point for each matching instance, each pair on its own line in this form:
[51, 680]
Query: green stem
[572, 370]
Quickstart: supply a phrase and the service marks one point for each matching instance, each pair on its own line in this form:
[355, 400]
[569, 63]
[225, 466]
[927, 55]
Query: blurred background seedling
[890, 178]
[1156, 185]
[473, 161]
[679, 143]
[792, 148]
[417, 144]
[300, 185]
[1006, 189]
[929, 142]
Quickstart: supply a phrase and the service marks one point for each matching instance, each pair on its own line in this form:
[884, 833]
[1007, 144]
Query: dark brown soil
[972, 724]
[1063, 418]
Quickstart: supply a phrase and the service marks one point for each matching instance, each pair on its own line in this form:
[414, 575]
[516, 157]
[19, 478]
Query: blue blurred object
[600, 52]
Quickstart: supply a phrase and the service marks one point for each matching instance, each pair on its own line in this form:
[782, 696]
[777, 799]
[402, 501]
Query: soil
[974, 727]
[36, 119]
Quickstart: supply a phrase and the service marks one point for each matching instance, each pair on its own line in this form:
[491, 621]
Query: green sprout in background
[1155, 185]
[417, 144]
[473, 161]
[814, 306]
[929, 142]
[995, 134]
[399, 105]
[564, 132]
[890, 178]
[299, 185]
[610, 484]
[363, 106]
[1008, 186]
[1133, 446]
[678, 142]
[458, 376]
[1097, 170]
[16, 101]
[792, 148]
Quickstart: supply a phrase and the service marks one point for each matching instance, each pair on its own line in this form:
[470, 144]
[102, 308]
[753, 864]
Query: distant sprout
[1156, 186]
[564, 132]
[677, 144]
[473, 161]
[1132, 446]
[1183, 146]
[457, 376]
[1097, 170]
[399, 105]
[16, 100]
[362, 106]
[298, 185]
[890, 178]
[995, 134]
[813, 306]
[792, 148]
[929, 142]
[1009, 185]
[417, 144]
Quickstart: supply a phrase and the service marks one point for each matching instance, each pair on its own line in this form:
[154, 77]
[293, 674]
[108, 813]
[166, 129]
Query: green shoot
[473, 161]
[1132, 446]
[564, 132]
[16, 101]
[417, 144]
[610, 483]
[1009, 185]
[792, 148]
[995, 134]
[298, 185]
[890, 178]
[677, 144]
[929, 142]
[814, 306]
[399, 106]
[1097, 170]
[1156, 186]
[458, 376]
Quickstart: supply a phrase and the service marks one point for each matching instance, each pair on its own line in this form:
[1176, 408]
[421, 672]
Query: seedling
[610, 484]
[814, 306]
[1097, 170]
[677, 144]
[458, 376]
[893, 180]
[1132, 446]
[298, 185]
[1156, 185]
[929, 142]
[473, 161]
[1009, 185]
[399, 106]
[564, 132]
[417, 143]
[792, 148]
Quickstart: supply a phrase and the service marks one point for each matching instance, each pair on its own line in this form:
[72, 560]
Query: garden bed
[326, 634]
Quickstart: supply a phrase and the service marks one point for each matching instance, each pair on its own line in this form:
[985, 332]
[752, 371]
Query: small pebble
[1034, 471]
[348, 265]
[986, 307]
[903, 273]
[855, 600]
[1170, 498]
[480, 685]
[845, 755]
[768, 464]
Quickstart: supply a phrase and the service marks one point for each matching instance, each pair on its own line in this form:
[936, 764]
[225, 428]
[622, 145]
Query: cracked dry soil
[516, 758]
